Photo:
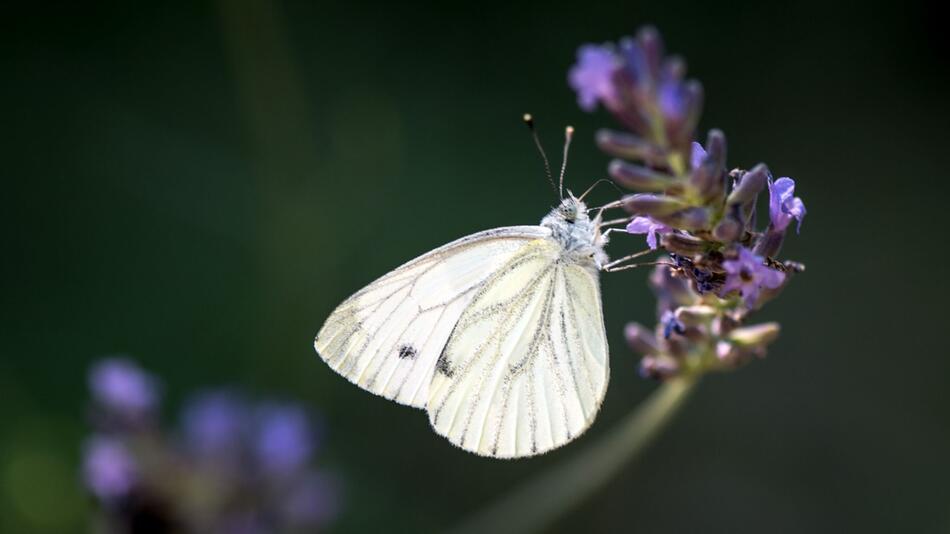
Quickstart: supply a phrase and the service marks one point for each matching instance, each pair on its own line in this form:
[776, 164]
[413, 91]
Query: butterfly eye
[568, 213]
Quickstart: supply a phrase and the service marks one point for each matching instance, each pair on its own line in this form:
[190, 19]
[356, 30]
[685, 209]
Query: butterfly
[499, 336]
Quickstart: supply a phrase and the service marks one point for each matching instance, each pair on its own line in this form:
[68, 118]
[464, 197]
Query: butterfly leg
[618, 265]
[613, 222]
[612, 265]
[635, 265]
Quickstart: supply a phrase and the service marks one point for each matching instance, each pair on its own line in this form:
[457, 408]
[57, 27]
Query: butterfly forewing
[525, 369]
[387, 337]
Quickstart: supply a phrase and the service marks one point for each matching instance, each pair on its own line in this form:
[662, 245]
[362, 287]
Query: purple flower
[697, 156]
[108, 468]
[646, 225]
[214, 422]
[783, 207]
[592, 76]
[120, 385]
[749, 274]
[285, 439]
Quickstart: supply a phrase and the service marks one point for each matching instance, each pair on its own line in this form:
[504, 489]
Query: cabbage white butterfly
[499, 336]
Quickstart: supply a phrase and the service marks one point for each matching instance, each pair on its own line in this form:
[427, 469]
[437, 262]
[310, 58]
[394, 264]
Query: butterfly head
[573, 228]
[571, 210]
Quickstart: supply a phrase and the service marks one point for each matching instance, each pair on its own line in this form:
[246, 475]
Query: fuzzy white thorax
[579, 236]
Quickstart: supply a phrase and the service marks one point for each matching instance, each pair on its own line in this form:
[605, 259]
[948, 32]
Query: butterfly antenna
[568, 135]
[529, 122]
[595, 184]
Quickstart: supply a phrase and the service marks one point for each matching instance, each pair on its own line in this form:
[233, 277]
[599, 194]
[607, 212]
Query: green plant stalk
[539, 502]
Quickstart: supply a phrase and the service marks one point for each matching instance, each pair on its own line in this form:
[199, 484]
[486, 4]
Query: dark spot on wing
[407, 351]
[442, 366]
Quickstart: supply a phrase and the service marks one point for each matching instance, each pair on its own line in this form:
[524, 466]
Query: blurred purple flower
[646, 225]
[248, 463]
[213, 422]
[749, 274]
[783, 206]
[285, 439]
[314, 500]
[593, 76]
[109, 470]
[120, 385]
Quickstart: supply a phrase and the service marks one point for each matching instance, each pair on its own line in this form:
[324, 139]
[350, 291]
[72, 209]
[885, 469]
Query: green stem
[538, 503]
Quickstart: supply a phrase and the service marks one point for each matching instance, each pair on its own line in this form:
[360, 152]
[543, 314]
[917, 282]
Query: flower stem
[537, 503]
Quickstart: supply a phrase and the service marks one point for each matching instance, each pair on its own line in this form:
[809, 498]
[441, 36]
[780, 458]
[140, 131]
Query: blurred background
[197, 186]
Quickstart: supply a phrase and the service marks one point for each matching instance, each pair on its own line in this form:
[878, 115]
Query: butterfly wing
[387, 337]
[526, 368]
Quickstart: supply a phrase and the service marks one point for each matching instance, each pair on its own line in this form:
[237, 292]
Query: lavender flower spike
[783, 207]
[749, 274]
[592, 76]
[646, 225]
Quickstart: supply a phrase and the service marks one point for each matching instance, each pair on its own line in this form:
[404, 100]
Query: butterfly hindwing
[525, 369]
[387, 337]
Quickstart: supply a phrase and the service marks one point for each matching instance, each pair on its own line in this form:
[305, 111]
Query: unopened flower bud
[755, 336]
[689, 219]
[694, 108]
[770, 243]
[716, 147]
[729, 229]
[652, 205]
[652, 46]
[638, 177]
[750, 185]
[624, 145]
[684, 244]
[695, 315]
[640, 339]
[709, 177]
[658, 368]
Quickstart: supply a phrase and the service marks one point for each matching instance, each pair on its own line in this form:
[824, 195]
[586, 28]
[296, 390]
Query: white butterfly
[499, 336]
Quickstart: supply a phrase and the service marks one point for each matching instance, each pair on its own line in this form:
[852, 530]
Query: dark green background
[197, 186]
